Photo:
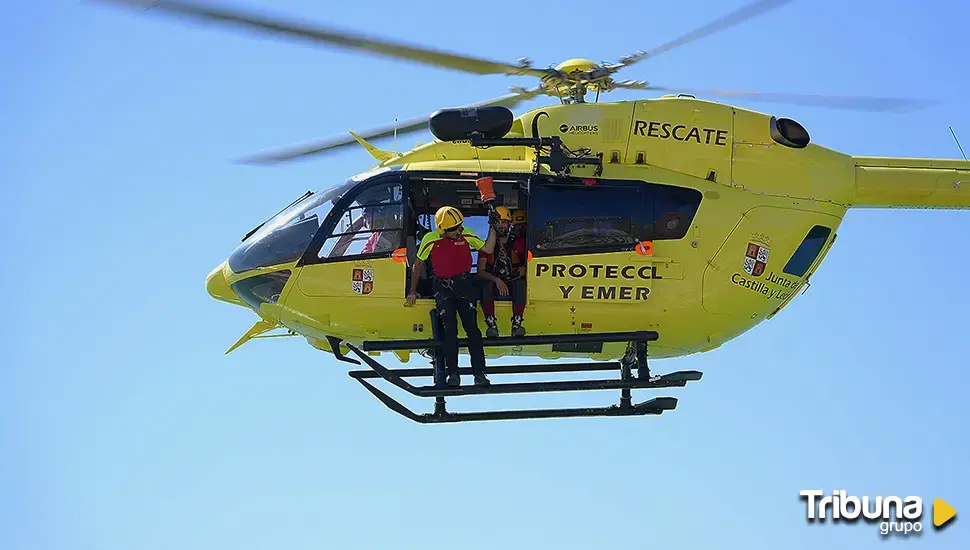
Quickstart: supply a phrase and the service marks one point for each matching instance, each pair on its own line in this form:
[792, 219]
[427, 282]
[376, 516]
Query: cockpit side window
[284, 237]
[372, 226]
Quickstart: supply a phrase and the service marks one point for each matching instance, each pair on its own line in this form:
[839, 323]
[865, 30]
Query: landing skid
[636, 358]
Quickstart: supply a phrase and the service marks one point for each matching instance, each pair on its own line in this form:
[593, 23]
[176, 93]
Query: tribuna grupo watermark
[901, 515]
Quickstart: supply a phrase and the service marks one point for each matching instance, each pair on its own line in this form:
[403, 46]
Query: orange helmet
[519, 216]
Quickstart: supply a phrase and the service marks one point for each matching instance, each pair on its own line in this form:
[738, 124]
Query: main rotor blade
[857, 103]
[318, 147]
[738, 16]
[334, 37]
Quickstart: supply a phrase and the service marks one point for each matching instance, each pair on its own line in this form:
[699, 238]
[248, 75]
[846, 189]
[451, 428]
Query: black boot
[492, 330]
[517, 328]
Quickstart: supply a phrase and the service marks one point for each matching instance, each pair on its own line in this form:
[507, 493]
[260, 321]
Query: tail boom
[887, 182]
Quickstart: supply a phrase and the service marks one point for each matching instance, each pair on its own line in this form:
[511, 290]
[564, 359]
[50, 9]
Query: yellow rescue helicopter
[672, 224]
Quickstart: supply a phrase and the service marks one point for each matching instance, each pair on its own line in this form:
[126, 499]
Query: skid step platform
[634, 359]
[396, 377]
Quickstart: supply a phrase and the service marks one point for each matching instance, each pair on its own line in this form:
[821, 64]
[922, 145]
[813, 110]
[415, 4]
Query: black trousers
[456, 297]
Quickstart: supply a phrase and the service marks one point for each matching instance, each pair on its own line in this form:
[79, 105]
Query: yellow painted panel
[746, 276]
[684, 135]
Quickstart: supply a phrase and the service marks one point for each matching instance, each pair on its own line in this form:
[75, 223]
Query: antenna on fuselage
[958, 143]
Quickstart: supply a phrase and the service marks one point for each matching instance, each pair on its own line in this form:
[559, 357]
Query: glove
[492, 216]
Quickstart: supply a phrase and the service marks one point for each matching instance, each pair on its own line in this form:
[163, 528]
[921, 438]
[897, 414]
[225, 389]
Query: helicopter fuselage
[702, 221]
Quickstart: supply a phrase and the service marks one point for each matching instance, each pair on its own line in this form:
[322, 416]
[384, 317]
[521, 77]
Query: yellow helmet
[519, 216]
[447, 217]
[504, 213]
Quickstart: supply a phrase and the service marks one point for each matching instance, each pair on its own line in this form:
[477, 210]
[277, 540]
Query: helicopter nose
[218, 287]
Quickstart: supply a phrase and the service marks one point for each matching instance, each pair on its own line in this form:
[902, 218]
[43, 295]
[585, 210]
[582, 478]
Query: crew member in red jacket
[504, 271]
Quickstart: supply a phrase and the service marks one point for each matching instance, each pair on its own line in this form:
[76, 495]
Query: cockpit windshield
[285, 236]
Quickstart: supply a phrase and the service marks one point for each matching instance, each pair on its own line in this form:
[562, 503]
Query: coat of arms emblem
[755, 259]
[363, 281]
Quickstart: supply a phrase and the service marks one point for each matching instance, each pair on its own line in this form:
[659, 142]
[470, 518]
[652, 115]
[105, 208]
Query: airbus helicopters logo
[579, 129]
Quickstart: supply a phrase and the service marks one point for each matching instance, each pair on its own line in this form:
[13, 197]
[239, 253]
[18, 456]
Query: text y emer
[601, 292]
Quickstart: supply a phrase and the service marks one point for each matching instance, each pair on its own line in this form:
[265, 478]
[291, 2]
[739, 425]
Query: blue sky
[124, 426]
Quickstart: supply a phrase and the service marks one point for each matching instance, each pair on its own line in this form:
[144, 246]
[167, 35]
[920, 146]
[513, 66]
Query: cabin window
[370, 227]
[669, 211]
[608, 216]
[577, 218]
[808, 251]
